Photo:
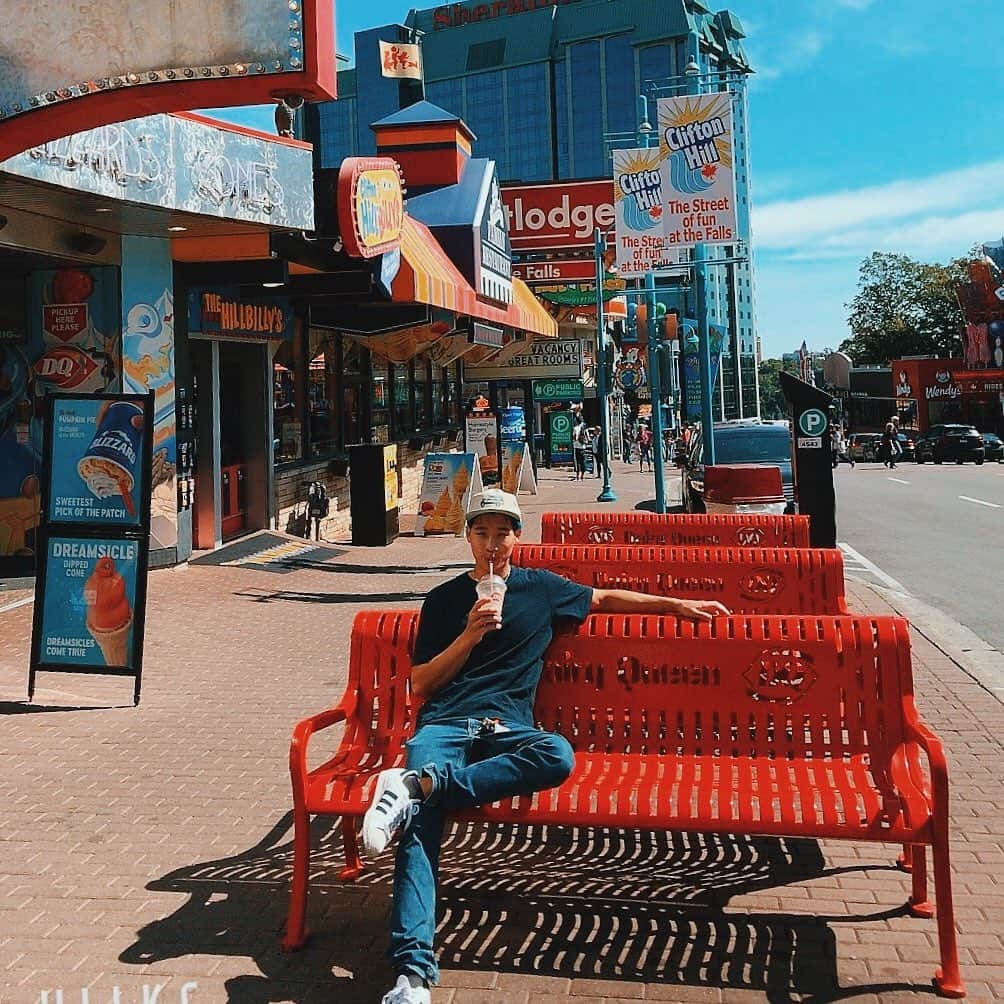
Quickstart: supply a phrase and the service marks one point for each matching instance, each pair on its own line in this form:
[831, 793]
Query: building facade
[550, 88]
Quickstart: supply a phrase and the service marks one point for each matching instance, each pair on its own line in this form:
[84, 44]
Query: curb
[974, 656]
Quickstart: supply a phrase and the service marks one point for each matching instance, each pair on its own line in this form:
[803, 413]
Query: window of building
[351, 368]
[528, 131]
[485, 55]
[379, 399]
[322, 390]
[486, 115]
[440, 381]
[337, 131]
[588, 157]
[561, 120]
[287, 402]
[422, 404]
[449, 95]
[402, 401]
[621, 89]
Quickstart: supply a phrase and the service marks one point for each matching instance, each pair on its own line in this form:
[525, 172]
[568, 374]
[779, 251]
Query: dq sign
[370, 206]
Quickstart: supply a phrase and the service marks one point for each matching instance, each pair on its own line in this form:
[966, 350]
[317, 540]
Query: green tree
[772, 403]
[904, 307]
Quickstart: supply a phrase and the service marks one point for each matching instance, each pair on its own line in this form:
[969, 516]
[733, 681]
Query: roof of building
[454, 205]
[420, 113]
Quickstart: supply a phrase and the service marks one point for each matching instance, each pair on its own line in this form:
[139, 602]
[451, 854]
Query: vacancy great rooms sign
[456, 15]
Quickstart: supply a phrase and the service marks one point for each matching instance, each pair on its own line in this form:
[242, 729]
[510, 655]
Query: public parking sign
[557, 390]
[813, 422]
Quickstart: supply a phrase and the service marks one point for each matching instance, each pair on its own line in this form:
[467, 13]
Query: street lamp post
[645, 136]
[607, 494]
[693, 74]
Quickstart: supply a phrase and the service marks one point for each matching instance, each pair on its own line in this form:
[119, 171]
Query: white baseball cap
[494, 500]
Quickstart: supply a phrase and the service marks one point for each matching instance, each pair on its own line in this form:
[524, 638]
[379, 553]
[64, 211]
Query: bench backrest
[673, 529]
[740, 686]
[778, 580]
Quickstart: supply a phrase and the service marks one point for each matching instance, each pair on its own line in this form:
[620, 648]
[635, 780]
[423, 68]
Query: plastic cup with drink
[492, 587]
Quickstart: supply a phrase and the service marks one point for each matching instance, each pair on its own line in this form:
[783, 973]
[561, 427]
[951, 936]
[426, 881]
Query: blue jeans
[468, 768]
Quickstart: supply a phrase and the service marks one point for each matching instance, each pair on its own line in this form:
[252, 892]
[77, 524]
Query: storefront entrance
[232, 440]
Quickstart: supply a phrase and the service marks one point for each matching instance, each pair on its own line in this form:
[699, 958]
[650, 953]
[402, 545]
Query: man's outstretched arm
[626, 601]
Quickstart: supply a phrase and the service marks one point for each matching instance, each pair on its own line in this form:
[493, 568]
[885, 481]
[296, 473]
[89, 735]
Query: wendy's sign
[370, 206]
[122, 58]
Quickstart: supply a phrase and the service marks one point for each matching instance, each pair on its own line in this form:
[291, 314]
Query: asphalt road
[937, 530]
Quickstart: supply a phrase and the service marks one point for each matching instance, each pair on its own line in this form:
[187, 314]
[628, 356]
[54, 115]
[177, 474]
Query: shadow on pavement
[27, 708]
[543, 901]
[300, 597]
[328, 566]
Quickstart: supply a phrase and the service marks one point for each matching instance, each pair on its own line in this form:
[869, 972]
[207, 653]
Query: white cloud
[914, 210]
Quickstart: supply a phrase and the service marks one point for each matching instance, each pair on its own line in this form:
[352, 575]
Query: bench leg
[947, 978]
[353, 862]
[905, 860]
[918, 903]
[296, 930]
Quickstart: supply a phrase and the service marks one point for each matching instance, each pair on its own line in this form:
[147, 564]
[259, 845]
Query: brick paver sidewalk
[150, 847]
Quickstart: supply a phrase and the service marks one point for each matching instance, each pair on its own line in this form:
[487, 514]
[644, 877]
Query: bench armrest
[920, 739]
[298, 746]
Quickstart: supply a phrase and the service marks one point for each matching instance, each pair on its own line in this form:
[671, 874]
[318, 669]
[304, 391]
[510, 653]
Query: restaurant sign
[223, 313]
[370, 206]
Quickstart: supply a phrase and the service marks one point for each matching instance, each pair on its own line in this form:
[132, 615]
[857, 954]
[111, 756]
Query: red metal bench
[788, 725]
[779, 580]
[674, 530]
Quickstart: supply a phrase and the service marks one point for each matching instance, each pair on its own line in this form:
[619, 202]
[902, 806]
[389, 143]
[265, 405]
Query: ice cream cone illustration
[109, 616]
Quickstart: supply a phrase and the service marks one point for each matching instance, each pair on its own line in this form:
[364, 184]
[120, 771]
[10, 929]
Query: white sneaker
[389, 814]
[404, 993]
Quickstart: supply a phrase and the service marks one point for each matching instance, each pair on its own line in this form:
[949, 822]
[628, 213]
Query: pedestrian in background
[596, 443]
[838, 446]
[890, 446]
[644, 447]
[628, 438]
[580, 437]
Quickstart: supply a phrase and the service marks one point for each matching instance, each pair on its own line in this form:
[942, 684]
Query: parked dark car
[907, 446]
[767, 444]
[950, 442]
[993, 447]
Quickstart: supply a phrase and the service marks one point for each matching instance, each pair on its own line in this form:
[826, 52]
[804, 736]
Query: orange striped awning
[428, 276]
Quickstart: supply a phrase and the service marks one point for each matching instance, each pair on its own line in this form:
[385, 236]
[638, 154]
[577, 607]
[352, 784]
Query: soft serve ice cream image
[109, 614]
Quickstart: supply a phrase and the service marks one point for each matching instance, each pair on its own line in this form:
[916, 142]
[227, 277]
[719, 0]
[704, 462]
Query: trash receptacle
[743, 488]
[373, 495]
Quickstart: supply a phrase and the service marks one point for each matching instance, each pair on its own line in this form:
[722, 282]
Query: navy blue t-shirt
[500, 677]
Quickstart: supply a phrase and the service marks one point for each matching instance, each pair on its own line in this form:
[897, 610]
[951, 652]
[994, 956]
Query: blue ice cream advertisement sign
[89, 603]
[97, 457]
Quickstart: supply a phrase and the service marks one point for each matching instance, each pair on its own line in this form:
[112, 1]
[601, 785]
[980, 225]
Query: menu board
[89, 603]
[482, 441]
[94, 538]
[97, 451]
[448, 482]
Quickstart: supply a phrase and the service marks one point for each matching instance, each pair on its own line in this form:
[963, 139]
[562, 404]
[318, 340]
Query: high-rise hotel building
[550, 87]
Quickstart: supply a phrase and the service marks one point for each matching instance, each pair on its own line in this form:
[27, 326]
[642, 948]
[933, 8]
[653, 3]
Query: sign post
[94, 538]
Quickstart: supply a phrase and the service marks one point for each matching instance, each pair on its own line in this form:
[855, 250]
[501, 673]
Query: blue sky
[874, 125]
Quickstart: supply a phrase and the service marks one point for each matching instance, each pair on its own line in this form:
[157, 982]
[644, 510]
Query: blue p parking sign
[812, 422]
